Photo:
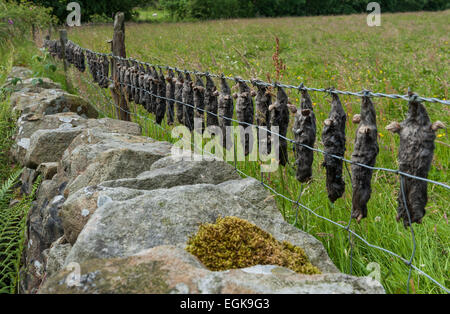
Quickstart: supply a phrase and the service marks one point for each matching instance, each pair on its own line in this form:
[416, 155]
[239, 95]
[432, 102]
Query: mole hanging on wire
[279, 117]
[104, 70]
[148, 81]
[415, 155]
[188, 98]
[263, 100]
[170, 94]
[211, 102]
[179, 97]
[134, 82]
[333, 138]
[225, 109]
[92, 66]
[199, 104]
[365, 152]
[305, 135]
[245, 112]
[161, 102]
[141, 84]
[153, 90]
[127, 83]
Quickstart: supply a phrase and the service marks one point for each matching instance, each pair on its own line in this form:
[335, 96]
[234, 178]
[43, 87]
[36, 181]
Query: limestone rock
[33, 85]
[120, 227]
[94, 157]
[42, 139]
[167, 173]
[19, 72]
[80, 206]
[55, 256]
[168, 269]
[28, 124]
[47, 170]
[52, 101]
[48, 145]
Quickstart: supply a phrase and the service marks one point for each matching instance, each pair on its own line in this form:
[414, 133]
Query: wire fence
[346, 227]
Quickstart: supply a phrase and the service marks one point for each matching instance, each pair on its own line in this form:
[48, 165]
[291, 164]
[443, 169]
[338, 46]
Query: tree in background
[17, 19]
[216, 9]
[96, 9]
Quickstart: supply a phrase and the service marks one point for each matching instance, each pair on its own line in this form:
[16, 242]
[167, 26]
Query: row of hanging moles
[162, 95]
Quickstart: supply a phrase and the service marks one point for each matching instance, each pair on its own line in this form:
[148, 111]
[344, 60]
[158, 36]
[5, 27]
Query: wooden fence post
[63, 41]
[118, 49]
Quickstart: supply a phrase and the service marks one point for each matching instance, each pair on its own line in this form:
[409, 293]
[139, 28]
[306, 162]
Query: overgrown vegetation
[16, 48]
[95, 11]
[216, 9]
[12, 232]
[321, 52]
[17, 19]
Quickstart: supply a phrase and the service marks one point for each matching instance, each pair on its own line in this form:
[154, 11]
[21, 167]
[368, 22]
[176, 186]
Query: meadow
[409, 50]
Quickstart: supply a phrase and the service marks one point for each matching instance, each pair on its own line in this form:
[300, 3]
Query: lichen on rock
[232, 243]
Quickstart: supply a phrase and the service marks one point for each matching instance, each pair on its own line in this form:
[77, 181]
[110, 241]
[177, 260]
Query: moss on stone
[232, 243]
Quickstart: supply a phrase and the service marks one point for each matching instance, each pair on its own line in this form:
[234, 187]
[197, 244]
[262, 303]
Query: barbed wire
[395, 171]
[301, 86]
[351, 233]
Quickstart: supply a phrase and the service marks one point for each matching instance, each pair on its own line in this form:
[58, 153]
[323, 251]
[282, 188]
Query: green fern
[12, 233]
[6, 188]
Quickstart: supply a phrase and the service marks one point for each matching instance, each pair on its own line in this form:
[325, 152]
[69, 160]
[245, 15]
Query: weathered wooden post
[118, 49]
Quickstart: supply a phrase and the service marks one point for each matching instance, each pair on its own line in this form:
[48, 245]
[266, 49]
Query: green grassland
[408, 50]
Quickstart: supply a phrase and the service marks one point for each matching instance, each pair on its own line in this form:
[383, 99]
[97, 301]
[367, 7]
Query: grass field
[408, 50]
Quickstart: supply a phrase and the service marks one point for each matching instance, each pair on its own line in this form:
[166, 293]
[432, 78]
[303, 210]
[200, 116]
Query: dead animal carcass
[365, 152]
[199, 104]
[279, 117]
[263, 100]
[170, 94]
[179, 97]
[188, 99]
[333, 138]
[211, 102]
[305, 135]
[161, 105]
[245, 112]
[417, 136]
[225, 111]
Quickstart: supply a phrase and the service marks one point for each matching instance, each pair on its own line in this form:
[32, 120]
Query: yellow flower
[440, 135]
[381, 71]
[381, 134]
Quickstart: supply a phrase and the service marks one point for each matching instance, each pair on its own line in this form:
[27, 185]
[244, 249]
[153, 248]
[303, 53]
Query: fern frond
[6, 188]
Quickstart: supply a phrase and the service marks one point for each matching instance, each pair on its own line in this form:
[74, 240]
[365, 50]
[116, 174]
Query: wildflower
[377, 219]
[381, 71]
[381, 134]
[440, 135]
[10, 22]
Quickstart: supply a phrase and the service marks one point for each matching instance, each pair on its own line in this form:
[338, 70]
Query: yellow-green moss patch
[232, 243]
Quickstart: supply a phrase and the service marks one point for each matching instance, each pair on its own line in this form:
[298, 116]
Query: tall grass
[409, 50]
